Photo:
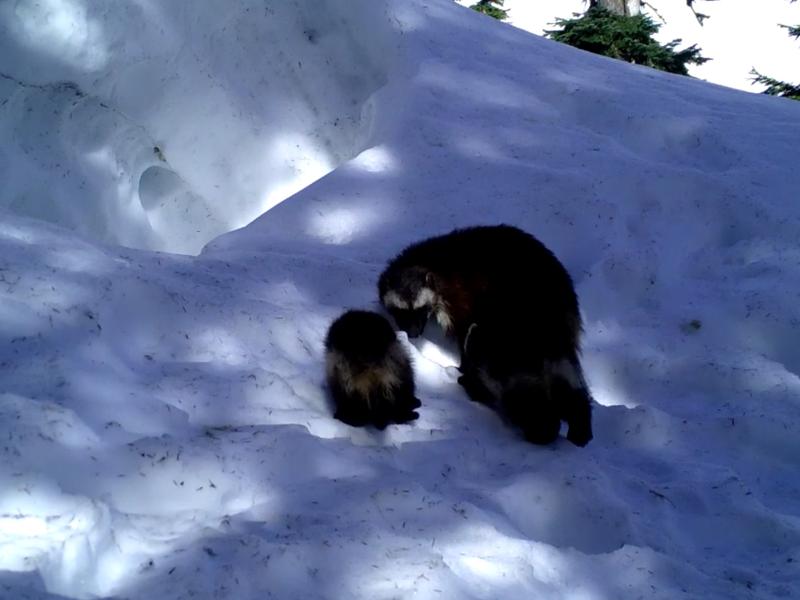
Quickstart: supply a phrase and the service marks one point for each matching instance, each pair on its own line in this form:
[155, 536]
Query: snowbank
[164, 429]
[161, 126]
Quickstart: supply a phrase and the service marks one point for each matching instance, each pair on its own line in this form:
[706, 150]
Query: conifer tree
[775, 87]
[493, 8]
[629, 38]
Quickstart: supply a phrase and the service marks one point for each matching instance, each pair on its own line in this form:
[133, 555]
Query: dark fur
[368, 371]
[504, 367]
[479, 270]
[524, 304]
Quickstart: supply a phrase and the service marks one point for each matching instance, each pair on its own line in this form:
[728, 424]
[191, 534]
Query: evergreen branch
[699, 16]
[775, 87]
[794, 30]
[654, 10]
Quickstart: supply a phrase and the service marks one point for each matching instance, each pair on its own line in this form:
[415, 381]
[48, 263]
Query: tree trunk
[621, 7]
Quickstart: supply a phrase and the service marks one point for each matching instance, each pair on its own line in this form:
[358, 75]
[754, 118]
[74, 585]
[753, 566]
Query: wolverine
[513, 288]
[369, 373]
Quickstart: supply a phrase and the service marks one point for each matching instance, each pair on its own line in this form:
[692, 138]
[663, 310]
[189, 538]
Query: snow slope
[165, 433]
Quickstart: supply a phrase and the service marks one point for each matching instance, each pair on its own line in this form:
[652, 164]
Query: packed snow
[165, 430]
[162, 125]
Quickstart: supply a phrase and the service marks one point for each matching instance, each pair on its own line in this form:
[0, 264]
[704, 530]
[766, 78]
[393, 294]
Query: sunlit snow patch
[62, 29]
[437, 354]
[375, 160]
[340, 225]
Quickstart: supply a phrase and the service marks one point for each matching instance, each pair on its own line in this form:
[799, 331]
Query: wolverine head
[363, 338]
[408, 293]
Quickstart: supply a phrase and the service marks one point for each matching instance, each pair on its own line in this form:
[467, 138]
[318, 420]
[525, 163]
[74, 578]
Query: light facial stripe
[443, 317]
[425, 297]
[393, 299]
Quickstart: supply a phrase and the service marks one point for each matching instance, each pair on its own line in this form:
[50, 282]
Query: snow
[193, 126]
[165, 432]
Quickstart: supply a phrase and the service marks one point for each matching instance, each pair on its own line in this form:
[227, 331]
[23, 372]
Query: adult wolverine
[508, 284]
